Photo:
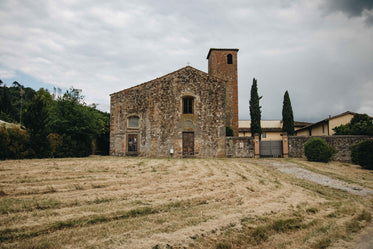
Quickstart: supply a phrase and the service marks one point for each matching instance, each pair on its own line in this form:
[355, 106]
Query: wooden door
[188, 144]
[132, 143]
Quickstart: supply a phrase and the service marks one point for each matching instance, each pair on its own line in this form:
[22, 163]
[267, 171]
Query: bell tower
[222, 63]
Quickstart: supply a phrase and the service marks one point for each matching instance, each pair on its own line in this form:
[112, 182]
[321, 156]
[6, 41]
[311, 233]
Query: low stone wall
[342, 144]
[239, 147]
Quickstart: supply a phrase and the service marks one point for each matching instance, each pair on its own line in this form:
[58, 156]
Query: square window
[133, 122]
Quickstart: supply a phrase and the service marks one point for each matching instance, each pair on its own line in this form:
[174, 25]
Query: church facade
[183, 114]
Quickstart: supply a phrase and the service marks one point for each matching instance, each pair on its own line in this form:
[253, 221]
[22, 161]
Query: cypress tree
[287, 115]
[255, 112]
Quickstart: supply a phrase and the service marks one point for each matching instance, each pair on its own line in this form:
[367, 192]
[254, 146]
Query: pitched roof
[327, 119]
[301, 124]
[164, 76]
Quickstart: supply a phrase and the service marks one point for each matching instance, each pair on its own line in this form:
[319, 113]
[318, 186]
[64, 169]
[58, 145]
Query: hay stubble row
[100, 202]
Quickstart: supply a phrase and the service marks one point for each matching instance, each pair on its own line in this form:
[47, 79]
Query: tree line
[50, 126]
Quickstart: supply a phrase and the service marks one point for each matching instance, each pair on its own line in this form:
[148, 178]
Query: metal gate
[271, 148]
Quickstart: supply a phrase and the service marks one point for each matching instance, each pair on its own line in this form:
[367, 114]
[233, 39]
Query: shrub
[14, 143]
[4, 143]
[361, 154]
[55, 143]
[317, 150]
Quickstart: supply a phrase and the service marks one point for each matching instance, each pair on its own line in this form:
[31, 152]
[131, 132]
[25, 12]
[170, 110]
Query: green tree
[79, 124]
[36, 119]
[255, 112]
[4, 143]
[10, 101]
[55, 143]
[287, 115]
[19, 143]
[6, 107]
[360, 124]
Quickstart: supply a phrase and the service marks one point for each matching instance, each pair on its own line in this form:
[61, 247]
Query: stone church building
[184, 113]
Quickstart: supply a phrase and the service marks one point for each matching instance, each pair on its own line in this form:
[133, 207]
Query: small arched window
[188, 105]
[133, 122]
[229, 59]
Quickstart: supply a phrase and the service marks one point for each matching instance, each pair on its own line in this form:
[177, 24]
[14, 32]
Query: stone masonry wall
[342, 144]
[159, 106]
[240, 146]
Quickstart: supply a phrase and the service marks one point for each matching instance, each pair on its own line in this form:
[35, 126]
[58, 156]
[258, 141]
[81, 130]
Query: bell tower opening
[222, 63]
[229, 59]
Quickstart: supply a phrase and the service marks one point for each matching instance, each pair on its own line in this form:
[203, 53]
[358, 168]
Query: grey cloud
[369, 17]
[352, 8]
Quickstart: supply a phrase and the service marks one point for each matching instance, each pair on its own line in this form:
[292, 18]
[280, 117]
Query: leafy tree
[16, 84]
[36, 120]
[79, 124]
[55, 144]
[4, 143]
[360, 124]
[19, 143]
[10, 101]
[59, 128]
[6, 107]
[287, 115]
[255, 112]
[103, 138]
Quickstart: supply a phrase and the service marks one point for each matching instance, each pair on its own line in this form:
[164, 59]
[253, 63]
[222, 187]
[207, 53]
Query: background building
[325, 127]
[272, 129]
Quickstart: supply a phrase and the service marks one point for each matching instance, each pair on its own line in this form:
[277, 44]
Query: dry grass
[101, 202]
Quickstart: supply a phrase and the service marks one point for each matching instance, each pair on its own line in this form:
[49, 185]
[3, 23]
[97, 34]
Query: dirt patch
[301, 173]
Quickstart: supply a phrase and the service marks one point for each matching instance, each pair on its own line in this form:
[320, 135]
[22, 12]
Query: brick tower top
[222, 63]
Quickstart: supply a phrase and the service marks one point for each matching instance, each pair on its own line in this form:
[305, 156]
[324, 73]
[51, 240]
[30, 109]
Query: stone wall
[239, 146]
[342, 144]
[159, 106]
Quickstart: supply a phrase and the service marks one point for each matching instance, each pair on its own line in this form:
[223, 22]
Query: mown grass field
[114, 202]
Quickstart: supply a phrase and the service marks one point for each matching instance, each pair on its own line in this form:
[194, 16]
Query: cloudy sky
[321, 51]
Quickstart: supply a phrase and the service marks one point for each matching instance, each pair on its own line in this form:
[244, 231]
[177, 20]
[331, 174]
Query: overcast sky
[320, 51]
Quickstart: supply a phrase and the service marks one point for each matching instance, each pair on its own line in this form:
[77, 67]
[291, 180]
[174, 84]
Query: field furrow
[113, 202]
